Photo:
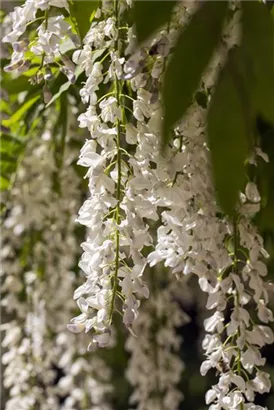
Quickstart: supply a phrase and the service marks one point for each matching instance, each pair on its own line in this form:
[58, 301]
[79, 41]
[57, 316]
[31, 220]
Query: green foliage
[16, 85]
[2, 15]
[4, 183]
[21, 111]
[265, 179]
[11, 148]
[191, 55]
[150, 15]
[82, 13]
[64, 88]
[228, 138]
[10, 144]
[257, 54]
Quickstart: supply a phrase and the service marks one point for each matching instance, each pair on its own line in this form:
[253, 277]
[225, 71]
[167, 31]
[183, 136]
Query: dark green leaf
[192, 53]
[228, 138]
[150, 15]
[8, 164]
[4, 62]
[9, 147]
[258, 57]
[265, 180]
[2, 207]
[20, 112]
[82, 13]
[15, 85]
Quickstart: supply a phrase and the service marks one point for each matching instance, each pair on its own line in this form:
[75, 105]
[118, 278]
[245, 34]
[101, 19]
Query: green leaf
[2, 207]
[11, 148]
[4, 62]
[15, 85]
[32, 71]
[265, 180]
[2, 16]
[64, 87]
[258, 57]
[10, 145]
[8, 164]
[191, 55]
[228, 138]
[5, 107]
[150, 15]
[4, 183]
[82, 13]
[20, 112]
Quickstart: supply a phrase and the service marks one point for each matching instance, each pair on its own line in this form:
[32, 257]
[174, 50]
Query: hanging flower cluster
[43, 366]
[54, 37]
[154, 367]
[236, 336]
[112, 258]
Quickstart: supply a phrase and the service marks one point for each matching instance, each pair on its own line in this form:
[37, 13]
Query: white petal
[76, 327]
[210, 396]
[206, 365]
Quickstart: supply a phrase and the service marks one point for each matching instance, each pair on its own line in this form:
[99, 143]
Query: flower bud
[69, 74]
[25, 66]
[47, 94]
[48, 74]
[68, 63]
[13, 66]
[20, 45]
[39, 78]
[252, 192]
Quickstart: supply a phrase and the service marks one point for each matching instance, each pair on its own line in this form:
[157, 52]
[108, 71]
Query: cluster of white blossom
[134, 187]
[23, 15]
[235, 332]
[44, 367]
[193, 234]
[112, 258]
[54, 37]
[155, 366]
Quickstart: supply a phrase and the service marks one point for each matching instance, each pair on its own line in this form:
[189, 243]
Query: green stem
[119, 170]
[44, 54]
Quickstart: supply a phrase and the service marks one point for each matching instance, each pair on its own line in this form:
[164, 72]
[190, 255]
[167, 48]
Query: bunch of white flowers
[112, 258]
[155, 367]
[193, 234]
[43, 366]
[53, 39]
